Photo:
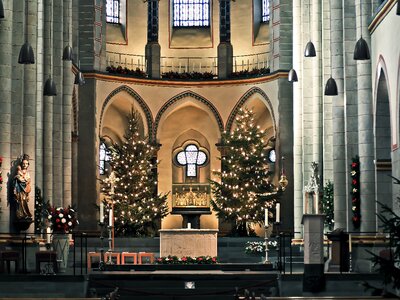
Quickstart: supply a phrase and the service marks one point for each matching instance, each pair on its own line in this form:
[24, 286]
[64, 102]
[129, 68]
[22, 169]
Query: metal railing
[188, 64]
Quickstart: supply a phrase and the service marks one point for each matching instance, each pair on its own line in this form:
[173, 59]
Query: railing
[188, 64]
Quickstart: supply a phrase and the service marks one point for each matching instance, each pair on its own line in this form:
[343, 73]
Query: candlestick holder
[350, 262]
[266, 261]
[110, 249]
[101, 263]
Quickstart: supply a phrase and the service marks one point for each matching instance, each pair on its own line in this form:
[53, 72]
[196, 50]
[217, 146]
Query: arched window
[104, 158]
[191, 157]
[265, 11]
[113, 11]
[191, 13]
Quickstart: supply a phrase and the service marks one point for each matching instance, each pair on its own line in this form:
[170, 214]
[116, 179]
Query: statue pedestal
[188, 242]
[313, 278]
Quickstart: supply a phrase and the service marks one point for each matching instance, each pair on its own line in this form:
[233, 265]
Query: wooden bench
[8, 256]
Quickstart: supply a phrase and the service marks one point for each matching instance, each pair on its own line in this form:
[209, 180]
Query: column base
[153, 60]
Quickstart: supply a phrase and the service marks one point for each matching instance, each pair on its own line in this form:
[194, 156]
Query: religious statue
[22, 188]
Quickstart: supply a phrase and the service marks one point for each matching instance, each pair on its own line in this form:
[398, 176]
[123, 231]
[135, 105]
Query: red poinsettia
[62, 220]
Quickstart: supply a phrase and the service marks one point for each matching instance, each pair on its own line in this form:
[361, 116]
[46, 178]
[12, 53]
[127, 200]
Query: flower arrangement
[187, 260]
[188, 75]
[125, 71]
[355, 192]
[62, 220]
[259, 247]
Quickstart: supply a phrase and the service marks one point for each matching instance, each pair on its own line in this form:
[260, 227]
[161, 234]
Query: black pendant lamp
[1, 9]
[50, 87]
[331, 87]
[398, 9]
[26, 55]
[68, 53]
[79, 79]
[361, 50]
[309, 51]
[292, 76]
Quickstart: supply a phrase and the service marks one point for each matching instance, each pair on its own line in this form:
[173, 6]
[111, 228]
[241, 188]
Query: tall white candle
[189, 225]
[110, 220]
[101, 211]
[278, 213]
[48, 235]
[266, 217]
[350, 246]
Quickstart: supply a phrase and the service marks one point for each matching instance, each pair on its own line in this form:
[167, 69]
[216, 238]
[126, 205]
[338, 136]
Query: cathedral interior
[322, 78]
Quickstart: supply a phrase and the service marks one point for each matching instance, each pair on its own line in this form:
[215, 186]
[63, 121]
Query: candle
[101, 212]
[266, 218]
[189, 225]
[350, 246]
[110, 219]
[278, 213]
[48, 235]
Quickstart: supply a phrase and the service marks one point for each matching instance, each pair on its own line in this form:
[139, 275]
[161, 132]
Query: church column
[338, 120]
[297, 118]
[365, 122]
[29, 106]
[57, 74]
[6, 66]
[153, 48]
[47, 108]
[87, 156]
[225, 49]
[67, 109]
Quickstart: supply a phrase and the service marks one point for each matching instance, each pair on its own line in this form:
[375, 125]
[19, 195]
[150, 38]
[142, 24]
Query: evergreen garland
[355, 192]
[39, 210]
[327, 205]
[138, 208]
[244, 189]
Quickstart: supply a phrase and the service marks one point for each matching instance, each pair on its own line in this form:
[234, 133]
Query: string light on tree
[137, 206]
[244, 190]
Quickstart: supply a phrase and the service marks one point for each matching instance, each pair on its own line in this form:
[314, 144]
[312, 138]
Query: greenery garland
[327, 205]
[355, 192]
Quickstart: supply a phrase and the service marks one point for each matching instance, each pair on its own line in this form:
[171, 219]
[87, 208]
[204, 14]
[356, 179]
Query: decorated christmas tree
[327, 205]
[244, 188]
[138, 208]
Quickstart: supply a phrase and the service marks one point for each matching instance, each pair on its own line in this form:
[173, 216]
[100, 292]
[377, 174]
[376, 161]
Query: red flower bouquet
[62, 220]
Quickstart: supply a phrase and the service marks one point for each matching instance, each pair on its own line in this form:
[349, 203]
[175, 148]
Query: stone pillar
[87, 156]
[298, 118]
[338, 120]
[225, 49]
[68, 80]
[47, 108]
[57, 74]
[29, 106]
[153, 48]
[366, 133]
[313, 277]
[6, 67]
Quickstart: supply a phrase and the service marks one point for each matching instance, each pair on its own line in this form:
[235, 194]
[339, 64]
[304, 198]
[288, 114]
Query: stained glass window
[104, 157]
[265, 10]
[112, 11]
[191, 13]
[191, 157]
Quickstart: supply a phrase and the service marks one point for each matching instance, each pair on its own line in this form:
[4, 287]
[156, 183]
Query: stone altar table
[188, 242]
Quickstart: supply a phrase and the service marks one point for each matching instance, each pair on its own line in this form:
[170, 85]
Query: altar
[188, 242]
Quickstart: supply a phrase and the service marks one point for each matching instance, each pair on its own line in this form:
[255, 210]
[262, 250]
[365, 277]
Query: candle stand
[101, 263]
[266, 261]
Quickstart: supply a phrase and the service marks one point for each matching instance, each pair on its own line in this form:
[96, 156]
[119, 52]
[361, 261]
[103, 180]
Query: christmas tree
[244, 188]
[137, 207]
[327, 205]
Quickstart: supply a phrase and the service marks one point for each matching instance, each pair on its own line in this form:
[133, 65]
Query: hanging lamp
[361, 50]
[309, 51]
[1, 9]
[50, 86]
[292, 76]
[68, 53]
[26, 55]
[331, 86]
[79, 79]
[398, 8]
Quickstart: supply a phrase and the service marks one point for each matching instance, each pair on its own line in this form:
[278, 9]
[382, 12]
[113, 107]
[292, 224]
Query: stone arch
[181, 96]
[244, 99]
[135, 96]
[383, 136]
